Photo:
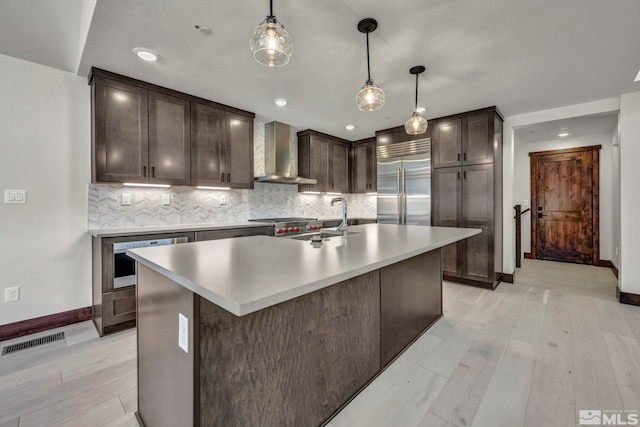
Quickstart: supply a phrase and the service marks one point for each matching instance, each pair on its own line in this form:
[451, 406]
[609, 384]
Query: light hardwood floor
[528, 354]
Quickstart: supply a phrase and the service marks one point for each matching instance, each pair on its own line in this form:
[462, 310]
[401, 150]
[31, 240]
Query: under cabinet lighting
[200, 187]
[372, 194]
[333, 194]
[311, 192]
[136, 184]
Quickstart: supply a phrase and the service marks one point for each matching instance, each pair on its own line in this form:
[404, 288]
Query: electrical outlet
[15, 197]
[126, 199]
[12, 294]
[183, 332]
[223, 200]
[166, 199]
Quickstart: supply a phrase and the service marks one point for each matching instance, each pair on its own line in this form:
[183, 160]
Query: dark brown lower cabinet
[296, 363]
[464, 197]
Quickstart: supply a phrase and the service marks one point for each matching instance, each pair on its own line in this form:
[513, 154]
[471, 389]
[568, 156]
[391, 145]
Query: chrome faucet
[342, 227]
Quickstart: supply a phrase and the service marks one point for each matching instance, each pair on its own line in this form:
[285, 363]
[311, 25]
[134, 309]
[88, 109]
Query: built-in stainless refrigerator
[404, 183]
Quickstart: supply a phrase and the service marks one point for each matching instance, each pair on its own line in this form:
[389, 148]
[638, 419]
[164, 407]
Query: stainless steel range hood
[278, 156]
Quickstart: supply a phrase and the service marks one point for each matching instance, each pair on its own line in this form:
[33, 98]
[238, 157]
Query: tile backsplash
[192, 206]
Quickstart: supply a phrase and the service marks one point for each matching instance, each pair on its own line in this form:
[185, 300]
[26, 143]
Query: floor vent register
[32, 343]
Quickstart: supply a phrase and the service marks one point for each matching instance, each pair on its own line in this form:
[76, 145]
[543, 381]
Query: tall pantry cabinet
[467, 192]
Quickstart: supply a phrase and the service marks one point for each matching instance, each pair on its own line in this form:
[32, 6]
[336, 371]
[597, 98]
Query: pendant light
[270, 43]
[370, 97]
[416, 124]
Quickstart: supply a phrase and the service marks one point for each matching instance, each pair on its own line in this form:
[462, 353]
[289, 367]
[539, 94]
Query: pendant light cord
[271, 8]
[368, 66]
[416, 92]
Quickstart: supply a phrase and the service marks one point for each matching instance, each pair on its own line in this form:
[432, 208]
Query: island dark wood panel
[411, 300]
[296, 363]
[293, 364]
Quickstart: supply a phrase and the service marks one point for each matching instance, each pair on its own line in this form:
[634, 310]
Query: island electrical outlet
[183, 332]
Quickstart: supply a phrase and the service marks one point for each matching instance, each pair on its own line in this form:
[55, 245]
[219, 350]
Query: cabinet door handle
[221, 177]
[465, 157]
[458, 175]
[458, 156]
[228, 177]
[144, 171]
[153, 171]
[465, 174]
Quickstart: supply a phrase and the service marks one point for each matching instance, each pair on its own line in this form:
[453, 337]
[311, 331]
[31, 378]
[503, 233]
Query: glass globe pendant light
[270, 43]
[416, 124]
[370, 97]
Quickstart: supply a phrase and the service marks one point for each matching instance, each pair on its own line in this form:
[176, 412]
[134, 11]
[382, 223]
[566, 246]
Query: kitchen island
[280, 331]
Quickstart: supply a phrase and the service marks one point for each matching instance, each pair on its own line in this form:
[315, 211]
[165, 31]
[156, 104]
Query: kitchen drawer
[232, 232]
[119, 307]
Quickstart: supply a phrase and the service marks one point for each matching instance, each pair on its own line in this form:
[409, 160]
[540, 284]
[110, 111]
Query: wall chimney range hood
[277, 156]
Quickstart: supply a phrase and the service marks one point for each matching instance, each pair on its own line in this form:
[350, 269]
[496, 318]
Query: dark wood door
[478, 212]
[447, 212]
[169, 139]
[363, 166]
[359, 169]
[339, 168]
[566, 206]
[121, 132]
[319, 163]
[477, 141]
[207, 138]
[239, 151]
[447, 143]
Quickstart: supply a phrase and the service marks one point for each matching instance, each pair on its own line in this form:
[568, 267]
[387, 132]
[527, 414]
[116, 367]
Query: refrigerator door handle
[399, 196]
[404, 196]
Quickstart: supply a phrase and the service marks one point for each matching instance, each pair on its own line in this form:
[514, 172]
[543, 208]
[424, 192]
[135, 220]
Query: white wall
[630, 193]
[615, 195]
[522, 183]
[510, 124]
[45, 149]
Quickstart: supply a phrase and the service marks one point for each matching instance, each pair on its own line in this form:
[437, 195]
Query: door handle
[153, 171]
[221, 177]
[404, 196]
[458, 156]
[144, 171]
[540, 215]
[228, 177]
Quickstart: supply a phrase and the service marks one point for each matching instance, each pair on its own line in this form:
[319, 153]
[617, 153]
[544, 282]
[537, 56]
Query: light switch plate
[15, 197]
[126, 199]
[525, 203]
[183, 332]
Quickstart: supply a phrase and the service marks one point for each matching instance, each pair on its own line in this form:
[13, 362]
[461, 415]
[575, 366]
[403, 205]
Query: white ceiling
[520, 55]
[576, 127]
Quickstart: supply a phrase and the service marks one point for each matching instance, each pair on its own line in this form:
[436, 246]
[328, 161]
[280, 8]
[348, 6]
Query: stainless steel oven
[124, 267]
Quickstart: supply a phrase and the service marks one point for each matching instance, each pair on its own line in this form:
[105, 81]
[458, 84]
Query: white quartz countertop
[247, 274]
[129, 231]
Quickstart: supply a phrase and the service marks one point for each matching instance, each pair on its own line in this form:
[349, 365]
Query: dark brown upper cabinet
[119, 116]
[324, 158]
[364, 166]
[462, 140]
[143, 133]
[221, 148]
[169, 140]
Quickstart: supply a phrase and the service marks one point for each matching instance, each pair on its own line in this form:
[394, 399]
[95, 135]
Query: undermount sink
[327, 234]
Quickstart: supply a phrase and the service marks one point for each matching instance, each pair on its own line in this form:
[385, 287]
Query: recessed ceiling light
[145, 54]
[421, 109]
[563, 134]
[637, 77]
[349, 127]
[280, 102]
[204, 30]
